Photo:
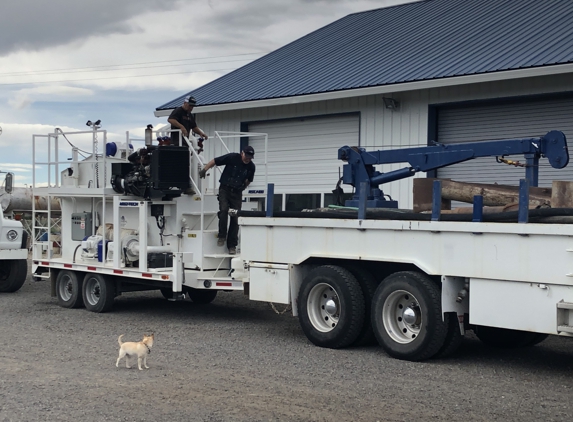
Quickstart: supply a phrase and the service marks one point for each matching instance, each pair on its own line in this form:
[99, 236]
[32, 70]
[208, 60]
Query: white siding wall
[381, 128]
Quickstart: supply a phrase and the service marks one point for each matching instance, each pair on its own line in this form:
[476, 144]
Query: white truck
[13, 248]
[412, 282]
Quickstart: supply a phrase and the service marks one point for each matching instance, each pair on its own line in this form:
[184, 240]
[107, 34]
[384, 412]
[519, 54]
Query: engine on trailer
[153, 172]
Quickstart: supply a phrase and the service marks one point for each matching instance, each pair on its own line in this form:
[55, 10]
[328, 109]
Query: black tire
[454, 337]
[368, 286]
[407, 316]
[538, 338]
[167, 293]
[504, 338]
[98, 293]
[69, 289]
[331, 307]
[12, 275]
[201, 296]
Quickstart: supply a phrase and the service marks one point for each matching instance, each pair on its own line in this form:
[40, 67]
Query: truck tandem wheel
[12, 275]
[454, 337]
[98, 292]
[69, 289]
[407, 316]
[331, 307]
[368, 285]
[201, 296]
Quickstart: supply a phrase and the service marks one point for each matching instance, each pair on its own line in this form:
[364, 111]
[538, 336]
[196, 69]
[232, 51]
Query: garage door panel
[505, 121]
[302, 155]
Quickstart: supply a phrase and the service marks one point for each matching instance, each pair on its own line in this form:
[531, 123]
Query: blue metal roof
[417, 41]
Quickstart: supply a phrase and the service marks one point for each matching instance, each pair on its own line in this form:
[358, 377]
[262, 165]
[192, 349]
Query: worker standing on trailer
[238, 174]
[182, 119]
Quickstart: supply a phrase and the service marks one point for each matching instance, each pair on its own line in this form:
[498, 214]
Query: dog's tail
[119, 339]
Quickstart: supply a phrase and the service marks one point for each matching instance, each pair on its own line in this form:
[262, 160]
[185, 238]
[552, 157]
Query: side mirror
[9, 182]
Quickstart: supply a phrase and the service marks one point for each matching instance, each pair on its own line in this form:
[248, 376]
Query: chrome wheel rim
[402, 316]
[93, 291]
[66, 288]
[323, 307]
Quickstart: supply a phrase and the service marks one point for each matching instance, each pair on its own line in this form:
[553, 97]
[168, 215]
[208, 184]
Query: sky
[64, 62]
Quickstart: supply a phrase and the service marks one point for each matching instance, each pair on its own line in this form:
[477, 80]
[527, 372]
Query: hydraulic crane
[359, 170]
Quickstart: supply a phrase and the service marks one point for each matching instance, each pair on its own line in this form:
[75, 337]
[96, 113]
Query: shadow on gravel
[227, 307]
[554, 356]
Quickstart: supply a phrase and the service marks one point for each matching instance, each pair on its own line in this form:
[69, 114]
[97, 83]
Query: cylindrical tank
[21, 200]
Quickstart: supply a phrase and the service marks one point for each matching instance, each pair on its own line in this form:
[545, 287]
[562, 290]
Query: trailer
[369, 272]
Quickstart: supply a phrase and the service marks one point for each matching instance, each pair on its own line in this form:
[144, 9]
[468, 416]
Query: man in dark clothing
[181, 118]
[238, 174]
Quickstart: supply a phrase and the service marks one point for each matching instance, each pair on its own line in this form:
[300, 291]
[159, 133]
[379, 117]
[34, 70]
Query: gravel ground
[236, 360]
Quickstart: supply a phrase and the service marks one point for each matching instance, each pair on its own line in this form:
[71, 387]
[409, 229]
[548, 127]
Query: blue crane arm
[360, 163]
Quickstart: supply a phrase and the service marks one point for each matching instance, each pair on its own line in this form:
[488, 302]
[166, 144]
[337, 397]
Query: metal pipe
[21, 199]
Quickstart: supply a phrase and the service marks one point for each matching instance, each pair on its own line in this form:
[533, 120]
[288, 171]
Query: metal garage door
[302, 153]
[505, 121]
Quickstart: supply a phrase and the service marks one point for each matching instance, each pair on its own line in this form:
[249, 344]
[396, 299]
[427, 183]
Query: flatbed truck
[413, 283]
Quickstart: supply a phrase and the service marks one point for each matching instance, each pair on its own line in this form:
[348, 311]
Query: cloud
[156, 45]
[67, 61]
[35, 25]
[25, 97]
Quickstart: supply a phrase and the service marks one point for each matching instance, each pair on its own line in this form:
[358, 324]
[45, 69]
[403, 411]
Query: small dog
[140, 349]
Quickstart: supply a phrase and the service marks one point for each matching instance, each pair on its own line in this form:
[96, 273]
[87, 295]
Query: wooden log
[562, 194]
[423, 195]
[493, 195]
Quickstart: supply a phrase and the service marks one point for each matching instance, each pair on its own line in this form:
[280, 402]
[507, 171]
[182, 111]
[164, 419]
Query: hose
[535, 215]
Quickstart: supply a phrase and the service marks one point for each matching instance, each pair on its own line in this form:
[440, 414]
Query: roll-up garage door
[505, 121]
[302, 153]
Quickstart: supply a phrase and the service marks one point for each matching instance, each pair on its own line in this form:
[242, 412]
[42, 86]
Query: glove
[202, 173]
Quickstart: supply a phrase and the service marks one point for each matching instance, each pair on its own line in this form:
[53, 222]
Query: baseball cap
[249, 151]
[190, 100]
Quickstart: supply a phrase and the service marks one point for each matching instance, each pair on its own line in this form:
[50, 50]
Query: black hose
[397, 214]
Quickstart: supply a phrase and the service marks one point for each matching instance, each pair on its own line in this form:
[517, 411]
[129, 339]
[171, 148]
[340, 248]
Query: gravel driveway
[236, 360]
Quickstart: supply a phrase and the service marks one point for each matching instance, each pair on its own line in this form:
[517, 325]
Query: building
[433, 70]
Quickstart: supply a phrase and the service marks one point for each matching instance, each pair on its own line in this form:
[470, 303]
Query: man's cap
[249, 151]
[190, 100]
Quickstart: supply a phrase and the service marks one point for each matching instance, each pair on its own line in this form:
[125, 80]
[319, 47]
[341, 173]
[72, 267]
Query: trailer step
[564, 317]
[564, 305]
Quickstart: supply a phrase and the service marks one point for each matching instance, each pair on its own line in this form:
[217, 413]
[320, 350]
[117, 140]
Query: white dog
[140, 349]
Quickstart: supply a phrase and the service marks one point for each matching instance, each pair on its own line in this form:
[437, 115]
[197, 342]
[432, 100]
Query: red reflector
[67, 265]
[146, 275]
[164, 277]
[117, 272]
[45, 263]
[36, 262]
[224, 284]
[92, 268]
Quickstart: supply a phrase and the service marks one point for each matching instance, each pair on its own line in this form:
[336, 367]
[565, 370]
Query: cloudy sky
[68, 61]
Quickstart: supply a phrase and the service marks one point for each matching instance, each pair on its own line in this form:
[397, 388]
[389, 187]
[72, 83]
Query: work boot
[221, 241]
[232, 251]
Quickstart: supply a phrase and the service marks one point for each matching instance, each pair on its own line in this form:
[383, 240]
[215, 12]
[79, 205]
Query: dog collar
[148, 349]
